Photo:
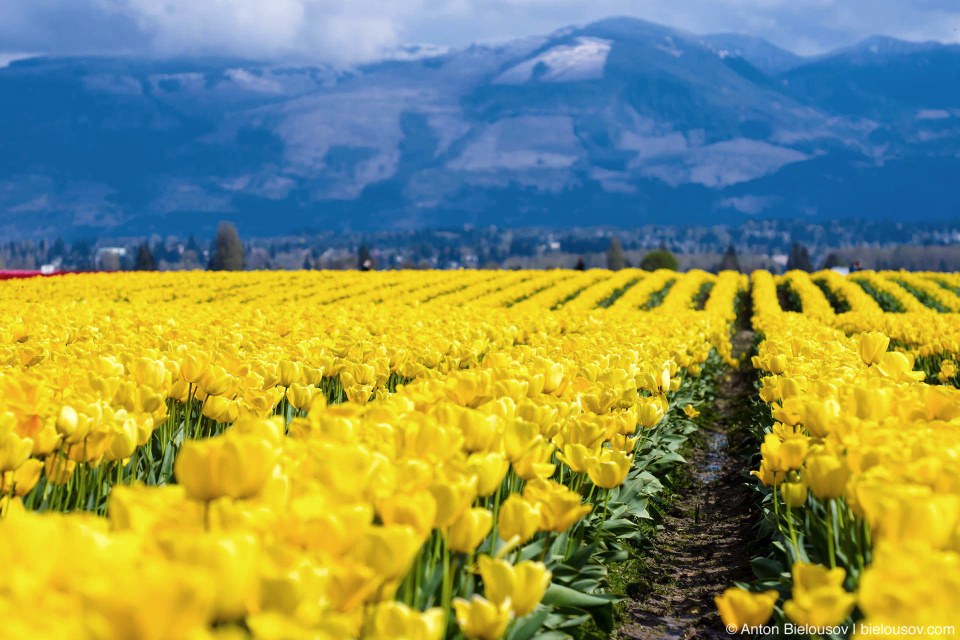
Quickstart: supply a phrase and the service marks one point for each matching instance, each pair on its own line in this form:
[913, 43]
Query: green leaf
[552, 634]
[528, 625]
[766, 568]
[599, 607]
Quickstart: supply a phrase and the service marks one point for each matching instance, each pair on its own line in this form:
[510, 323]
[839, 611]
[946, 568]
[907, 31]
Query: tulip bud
[490, 470]
[289, 372]
[818, 598]
[872, 347]
[741, 609]
[397, 620]
[14, 451]
[794, 494]
[67, 421]
[609, 469]
[553, 378]
[480, 619]
[233, 466]
[650, 415]
[826, 475]
[469, 530]
[23, 480]
[518, 518]
[819, 417]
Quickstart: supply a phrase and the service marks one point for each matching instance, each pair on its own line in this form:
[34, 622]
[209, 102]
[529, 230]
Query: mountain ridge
[620, 122]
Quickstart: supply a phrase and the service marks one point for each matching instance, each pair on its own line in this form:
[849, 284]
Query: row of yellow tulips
[286, 456]
[859, 459]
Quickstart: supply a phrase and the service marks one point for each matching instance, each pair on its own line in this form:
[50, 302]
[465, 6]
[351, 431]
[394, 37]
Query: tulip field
[434, 455]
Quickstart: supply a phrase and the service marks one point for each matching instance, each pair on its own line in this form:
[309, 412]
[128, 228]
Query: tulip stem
[496, 511]
[830, 541]
[188, 406]
[793, 535]
[776, 506]
[546, 545]
[603, 520]
[447, 589]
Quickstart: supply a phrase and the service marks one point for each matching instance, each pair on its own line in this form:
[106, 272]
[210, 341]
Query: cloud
[334, 30]
[354, 30]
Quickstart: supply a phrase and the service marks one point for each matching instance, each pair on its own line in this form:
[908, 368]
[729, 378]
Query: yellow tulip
[783, 456]
[819, 417]
[826, 475]
[609, 469]
[397, 620]
[480, 619]
[518, 519]
[388, 550]
[14, 451]
[289, 372]
[230, 562]
[23, 480]
[193, 365]
[220, 409]
[469, 530]
[521, 585]
[67, 421]
[575, 456]
[490, 469]
[650, 415]
[535, 462]
[794, 494]
[553, 377]
[560, 507]
[452, 498]
[417, 510]
[741, 609]
[818, 597]
[872, 347]
[767, 476]
[301, 396]
[231, 466]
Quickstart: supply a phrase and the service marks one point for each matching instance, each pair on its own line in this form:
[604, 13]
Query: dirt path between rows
[703, 544]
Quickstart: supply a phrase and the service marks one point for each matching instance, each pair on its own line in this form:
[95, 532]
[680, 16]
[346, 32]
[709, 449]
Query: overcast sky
[351, 30]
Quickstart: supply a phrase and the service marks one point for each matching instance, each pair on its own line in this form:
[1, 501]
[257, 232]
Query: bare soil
[704, 543]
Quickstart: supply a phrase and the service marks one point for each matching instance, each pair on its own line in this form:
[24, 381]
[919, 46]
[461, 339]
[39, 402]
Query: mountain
[618, 122]
[762, 54]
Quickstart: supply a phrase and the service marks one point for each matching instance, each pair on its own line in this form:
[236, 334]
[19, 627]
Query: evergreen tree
[799, 259]
[58, 250]
[82, 255]
[365, 260]
[615, 259]
[227, 249]
[729, 261]
[659, 259]
[145, 260]
[581, 266]
[833, 261]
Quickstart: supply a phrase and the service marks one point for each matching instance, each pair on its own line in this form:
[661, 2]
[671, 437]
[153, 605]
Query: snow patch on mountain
[671, 48]
[525, 142]
[721, 164]
[417, 51]
[584, 60]
[252, 82]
